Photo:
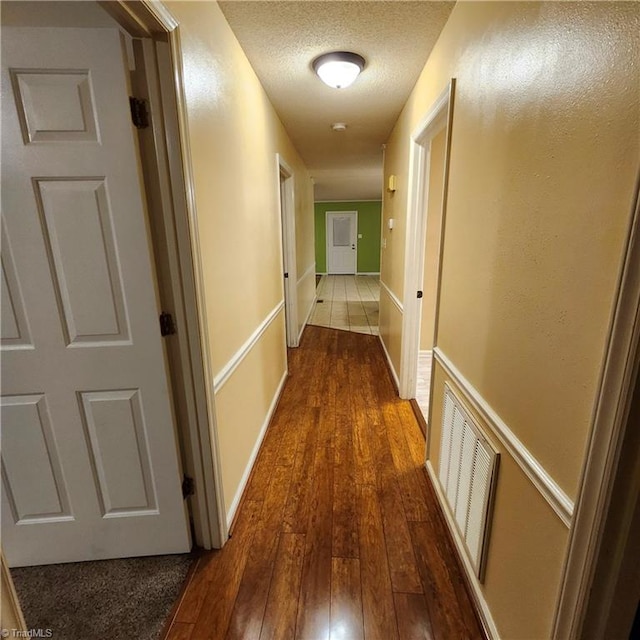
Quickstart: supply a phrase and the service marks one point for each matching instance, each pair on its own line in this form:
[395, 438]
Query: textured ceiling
[72, 13]
[281, 39]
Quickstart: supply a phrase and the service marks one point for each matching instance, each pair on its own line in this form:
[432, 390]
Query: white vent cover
[468, 471]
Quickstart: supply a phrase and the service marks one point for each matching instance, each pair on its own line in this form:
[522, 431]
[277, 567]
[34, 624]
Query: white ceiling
[281, 39]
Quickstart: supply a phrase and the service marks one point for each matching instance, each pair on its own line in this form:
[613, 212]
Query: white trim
[438, 118]
[235, 503]
[234, 362]
[307, 273]
[311, 270]
[326, 240]
[541, 479]
[208, 427]
[287, 211]
[391, 367]
[609, 426]
[10, 603]
[163, 178]
[306, 320]
[143, 19]
[161, 14]
[485, 612]
[394, 298]
[368, 273]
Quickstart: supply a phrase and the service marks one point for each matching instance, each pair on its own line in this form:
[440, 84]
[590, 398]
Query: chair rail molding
[539, 476]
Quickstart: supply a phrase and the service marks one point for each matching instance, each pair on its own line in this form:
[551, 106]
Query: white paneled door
[341, 242]
[90, 464]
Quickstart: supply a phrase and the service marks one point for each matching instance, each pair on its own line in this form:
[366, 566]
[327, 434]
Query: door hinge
[286, 274]
[167, 327]
[419, 294]
[139, 113]
[188, 487]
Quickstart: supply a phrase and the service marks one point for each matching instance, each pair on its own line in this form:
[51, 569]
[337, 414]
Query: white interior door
[89, 457]
[341, 241]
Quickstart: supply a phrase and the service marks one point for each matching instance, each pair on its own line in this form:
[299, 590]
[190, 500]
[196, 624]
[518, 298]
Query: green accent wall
[369, 221]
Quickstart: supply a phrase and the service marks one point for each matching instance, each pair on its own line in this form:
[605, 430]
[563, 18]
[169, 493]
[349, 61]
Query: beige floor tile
[350, 303]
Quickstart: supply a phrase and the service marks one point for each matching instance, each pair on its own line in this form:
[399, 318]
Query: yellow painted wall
[390, 326]
[544, 154]
[527, 541]
[241, 404]
[234, 135]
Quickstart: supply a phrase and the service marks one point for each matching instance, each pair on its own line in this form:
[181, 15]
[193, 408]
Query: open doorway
[429, 162]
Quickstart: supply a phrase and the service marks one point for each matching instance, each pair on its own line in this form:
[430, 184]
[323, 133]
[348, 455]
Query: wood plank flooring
[339, 536]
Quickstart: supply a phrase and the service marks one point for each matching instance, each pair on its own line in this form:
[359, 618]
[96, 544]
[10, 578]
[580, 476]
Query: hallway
[339, 534]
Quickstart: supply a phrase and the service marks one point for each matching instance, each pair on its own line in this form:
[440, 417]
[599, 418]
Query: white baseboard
[254, 454]
[368, 273]
[484, 610]
[391, 367]
[306, 320]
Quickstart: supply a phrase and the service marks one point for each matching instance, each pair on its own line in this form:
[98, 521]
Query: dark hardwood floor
[339, 536]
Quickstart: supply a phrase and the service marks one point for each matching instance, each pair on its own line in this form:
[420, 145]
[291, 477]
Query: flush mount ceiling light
[338, 69]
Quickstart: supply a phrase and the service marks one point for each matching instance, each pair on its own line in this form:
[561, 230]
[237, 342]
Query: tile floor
[423, 385]
[350, 303]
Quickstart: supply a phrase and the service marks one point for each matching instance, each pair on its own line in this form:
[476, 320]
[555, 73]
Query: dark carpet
[129, 598]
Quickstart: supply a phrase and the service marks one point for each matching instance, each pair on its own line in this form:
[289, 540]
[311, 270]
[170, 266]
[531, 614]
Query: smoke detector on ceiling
[339, 126]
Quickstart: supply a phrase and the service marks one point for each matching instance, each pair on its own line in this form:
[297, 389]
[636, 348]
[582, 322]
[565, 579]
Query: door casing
[439, 117]
[288, 248]
[586, 591]
[151, 21]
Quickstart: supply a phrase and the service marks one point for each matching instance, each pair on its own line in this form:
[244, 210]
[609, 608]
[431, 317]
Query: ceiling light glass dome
[338, 69]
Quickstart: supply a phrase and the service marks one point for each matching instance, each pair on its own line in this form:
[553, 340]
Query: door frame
[151, 20]
[327, 243]
[438, 118]
[583, 589]
[286, 202]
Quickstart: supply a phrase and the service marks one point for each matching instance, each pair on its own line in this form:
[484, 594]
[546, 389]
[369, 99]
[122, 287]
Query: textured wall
[544, 156]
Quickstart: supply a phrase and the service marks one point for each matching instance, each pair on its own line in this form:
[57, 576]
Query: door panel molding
[111, 487]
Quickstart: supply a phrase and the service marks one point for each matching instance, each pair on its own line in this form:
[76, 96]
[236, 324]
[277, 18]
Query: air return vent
[468, 472]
